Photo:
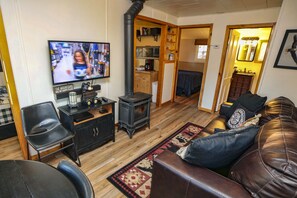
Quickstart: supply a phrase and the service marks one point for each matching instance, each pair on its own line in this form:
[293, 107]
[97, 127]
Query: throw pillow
[240, 115]
[252, 121]
[220, 149]
[252, 102]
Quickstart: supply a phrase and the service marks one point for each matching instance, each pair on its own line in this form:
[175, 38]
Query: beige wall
[280, 82]
[187, 50]
[30, 24]
[190, 66]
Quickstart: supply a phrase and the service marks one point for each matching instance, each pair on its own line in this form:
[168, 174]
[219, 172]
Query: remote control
[104, 99]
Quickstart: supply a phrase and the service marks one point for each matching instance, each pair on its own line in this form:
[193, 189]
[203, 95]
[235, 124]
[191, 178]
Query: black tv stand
[91, 128]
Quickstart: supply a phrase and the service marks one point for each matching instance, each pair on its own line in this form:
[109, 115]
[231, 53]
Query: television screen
[73, 61]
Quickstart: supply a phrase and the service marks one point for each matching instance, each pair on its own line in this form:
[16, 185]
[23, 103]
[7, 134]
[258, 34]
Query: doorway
[9, 90]
[7, 126]
[147, 61]
[192, 61]
[242, 65]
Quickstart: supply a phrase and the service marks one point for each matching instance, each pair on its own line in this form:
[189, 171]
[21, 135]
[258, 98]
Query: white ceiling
[181, 8]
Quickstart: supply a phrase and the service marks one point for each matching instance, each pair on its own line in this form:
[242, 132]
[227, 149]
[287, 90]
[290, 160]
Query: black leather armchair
[78, 178]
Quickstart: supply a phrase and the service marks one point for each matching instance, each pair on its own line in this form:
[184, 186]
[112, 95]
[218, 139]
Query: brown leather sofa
[267, 169]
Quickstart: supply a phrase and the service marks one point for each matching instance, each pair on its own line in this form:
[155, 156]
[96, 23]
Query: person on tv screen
[81, 67]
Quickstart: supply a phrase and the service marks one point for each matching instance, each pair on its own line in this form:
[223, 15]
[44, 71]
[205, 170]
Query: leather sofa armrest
[172, 177]
[224, 109]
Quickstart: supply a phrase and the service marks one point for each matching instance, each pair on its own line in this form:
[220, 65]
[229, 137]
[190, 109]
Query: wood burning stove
[134, 108]
[134, 112]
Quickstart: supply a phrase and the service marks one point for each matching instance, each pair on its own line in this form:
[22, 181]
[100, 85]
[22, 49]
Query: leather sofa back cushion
[269, 167]
[278, 107]
[218, 122]
[220, 149]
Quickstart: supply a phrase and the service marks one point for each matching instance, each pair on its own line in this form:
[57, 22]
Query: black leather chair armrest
[78, 178]
[225, 108]
[172, 177]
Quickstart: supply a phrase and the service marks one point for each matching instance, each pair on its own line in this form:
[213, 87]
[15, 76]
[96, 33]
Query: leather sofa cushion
[218, 122]
[278, 107]
[269, 167]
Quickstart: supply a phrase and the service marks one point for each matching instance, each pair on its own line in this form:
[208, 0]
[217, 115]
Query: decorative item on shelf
[169, 29]
[144, 31]
[140, 68]
[155, 31]
[88, 96]
[149, 64]
[72, 103]
[63, 88]
[235, 69]
[138, 33]
[171, 56]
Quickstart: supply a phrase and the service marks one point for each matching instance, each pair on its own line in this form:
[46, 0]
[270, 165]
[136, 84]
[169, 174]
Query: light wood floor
[102, 162]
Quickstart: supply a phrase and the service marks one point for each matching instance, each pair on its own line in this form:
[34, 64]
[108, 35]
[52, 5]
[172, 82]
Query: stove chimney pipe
[129, 17]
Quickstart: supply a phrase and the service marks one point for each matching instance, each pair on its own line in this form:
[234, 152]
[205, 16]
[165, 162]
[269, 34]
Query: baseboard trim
[204, 109]
[166, 102]
[52, 150]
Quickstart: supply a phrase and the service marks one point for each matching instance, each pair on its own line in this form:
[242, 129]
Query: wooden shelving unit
[65, 94]
[154, 36]
[171, 43]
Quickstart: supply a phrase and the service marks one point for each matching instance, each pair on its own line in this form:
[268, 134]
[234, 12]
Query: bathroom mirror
[247, 49]
[260, 52]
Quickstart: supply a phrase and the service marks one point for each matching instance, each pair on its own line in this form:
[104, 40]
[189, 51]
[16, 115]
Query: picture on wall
[287, 55]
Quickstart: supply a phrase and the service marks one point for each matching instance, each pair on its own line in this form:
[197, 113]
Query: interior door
[168, 82]
[229, 66]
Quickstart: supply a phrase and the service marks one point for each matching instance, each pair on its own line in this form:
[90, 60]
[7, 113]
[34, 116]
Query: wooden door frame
[224, 51]
[210, 26]
[231, 48]
[9, 77]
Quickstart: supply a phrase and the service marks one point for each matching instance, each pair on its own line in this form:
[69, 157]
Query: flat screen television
[73, 61]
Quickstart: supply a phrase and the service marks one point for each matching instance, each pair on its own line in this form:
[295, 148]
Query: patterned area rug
[134, 179]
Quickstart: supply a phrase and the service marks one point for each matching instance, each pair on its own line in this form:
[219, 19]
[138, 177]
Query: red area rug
[134, 179]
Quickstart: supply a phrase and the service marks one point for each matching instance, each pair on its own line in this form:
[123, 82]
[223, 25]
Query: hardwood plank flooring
[103, 161]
